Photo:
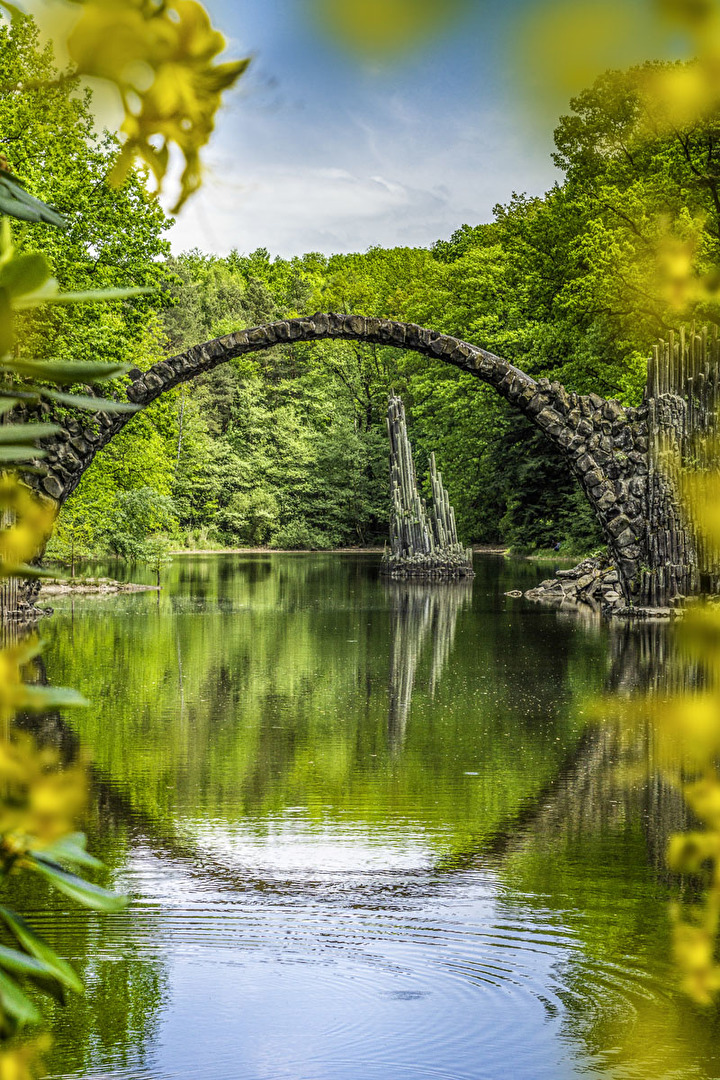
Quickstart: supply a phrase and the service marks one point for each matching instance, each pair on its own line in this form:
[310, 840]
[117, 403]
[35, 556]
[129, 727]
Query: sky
[319, 149]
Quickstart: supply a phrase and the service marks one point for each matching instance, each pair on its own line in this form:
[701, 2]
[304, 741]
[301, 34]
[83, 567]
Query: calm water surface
[369, 833]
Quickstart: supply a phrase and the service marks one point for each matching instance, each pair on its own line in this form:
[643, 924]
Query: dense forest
[289, 448]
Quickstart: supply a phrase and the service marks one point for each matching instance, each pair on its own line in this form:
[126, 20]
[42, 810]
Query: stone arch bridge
[606, 445]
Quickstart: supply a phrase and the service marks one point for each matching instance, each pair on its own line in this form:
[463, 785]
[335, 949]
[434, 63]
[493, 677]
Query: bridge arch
[605, 443]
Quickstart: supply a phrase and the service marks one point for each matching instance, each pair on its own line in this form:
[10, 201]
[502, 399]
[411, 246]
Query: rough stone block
[625, 539]
[618, 525]
[612, 410]
[548, 418]
[537, 403]
[607, 500]
[627, 568]
[594, 477]
[52, 486]
[396, 333]
[462, 355]
[484, 365]
[442, 345]
[586, 463]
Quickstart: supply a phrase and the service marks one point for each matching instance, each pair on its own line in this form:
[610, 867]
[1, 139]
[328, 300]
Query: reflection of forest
[423, 617]
[275, 696]
[592, 852]
[610, 778]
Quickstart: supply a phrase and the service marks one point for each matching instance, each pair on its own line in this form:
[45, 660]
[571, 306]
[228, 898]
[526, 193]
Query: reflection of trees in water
[118, 1016]
[420, 613]
[610, 778]
[594, 848]
[645, 660]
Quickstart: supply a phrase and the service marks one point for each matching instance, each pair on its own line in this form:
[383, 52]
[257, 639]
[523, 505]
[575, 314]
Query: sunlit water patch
[368, 834]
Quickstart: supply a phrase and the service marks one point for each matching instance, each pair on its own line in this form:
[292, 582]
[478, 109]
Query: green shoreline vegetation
[288, 449]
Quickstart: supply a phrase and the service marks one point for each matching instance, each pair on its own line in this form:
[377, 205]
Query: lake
[370, 831]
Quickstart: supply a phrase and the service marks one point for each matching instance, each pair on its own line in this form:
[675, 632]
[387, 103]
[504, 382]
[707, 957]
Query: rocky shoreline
[101, 585]
[594, 583]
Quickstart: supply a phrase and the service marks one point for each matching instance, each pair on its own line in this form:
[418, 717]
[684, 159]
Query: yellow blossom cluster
[161, 57]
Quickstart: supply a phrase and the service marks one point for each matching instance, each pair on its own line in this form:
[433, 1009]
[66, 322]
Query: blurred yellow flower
[161, 58]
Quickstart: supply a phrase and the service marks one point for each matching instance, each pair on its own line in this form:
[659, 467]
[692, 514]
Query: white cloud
[382, 170]
[290, 210]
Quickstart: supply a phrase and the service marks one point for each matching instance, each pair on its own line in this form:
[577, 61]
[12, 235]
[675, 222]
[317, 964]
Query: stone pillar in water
[423, 541]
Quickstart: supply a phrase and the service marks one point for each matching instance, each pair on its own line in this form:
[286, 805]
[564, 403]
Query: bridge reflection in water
[423, 619]
[374, 836]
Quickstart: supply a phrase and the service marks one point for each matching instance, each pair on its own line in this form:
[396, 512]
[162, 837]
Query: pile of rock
[61, 586]
[438, 565]
[594, 582]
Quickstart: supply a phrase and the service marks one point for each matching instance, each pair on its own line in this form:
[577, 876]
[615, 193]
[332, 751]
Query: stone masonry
[606, 445]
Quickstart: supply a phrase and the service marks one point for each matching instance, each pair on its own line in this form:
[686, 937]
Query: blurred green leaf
[15, 1003]
[92, 296]
[35, 946]
[14, 12]
[19, 203]
[66, 372]
[6, 327]
[27, 432]
[71, 848]
[26, 571]
[92, 404]
[38, 698]
[24, 274]
[21, 963]
[20, 453]
[87, 894]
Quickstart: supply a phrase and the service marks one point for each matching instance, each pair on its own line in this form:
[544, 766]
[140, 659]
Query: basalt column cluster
[683, 394]
[423, 542]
